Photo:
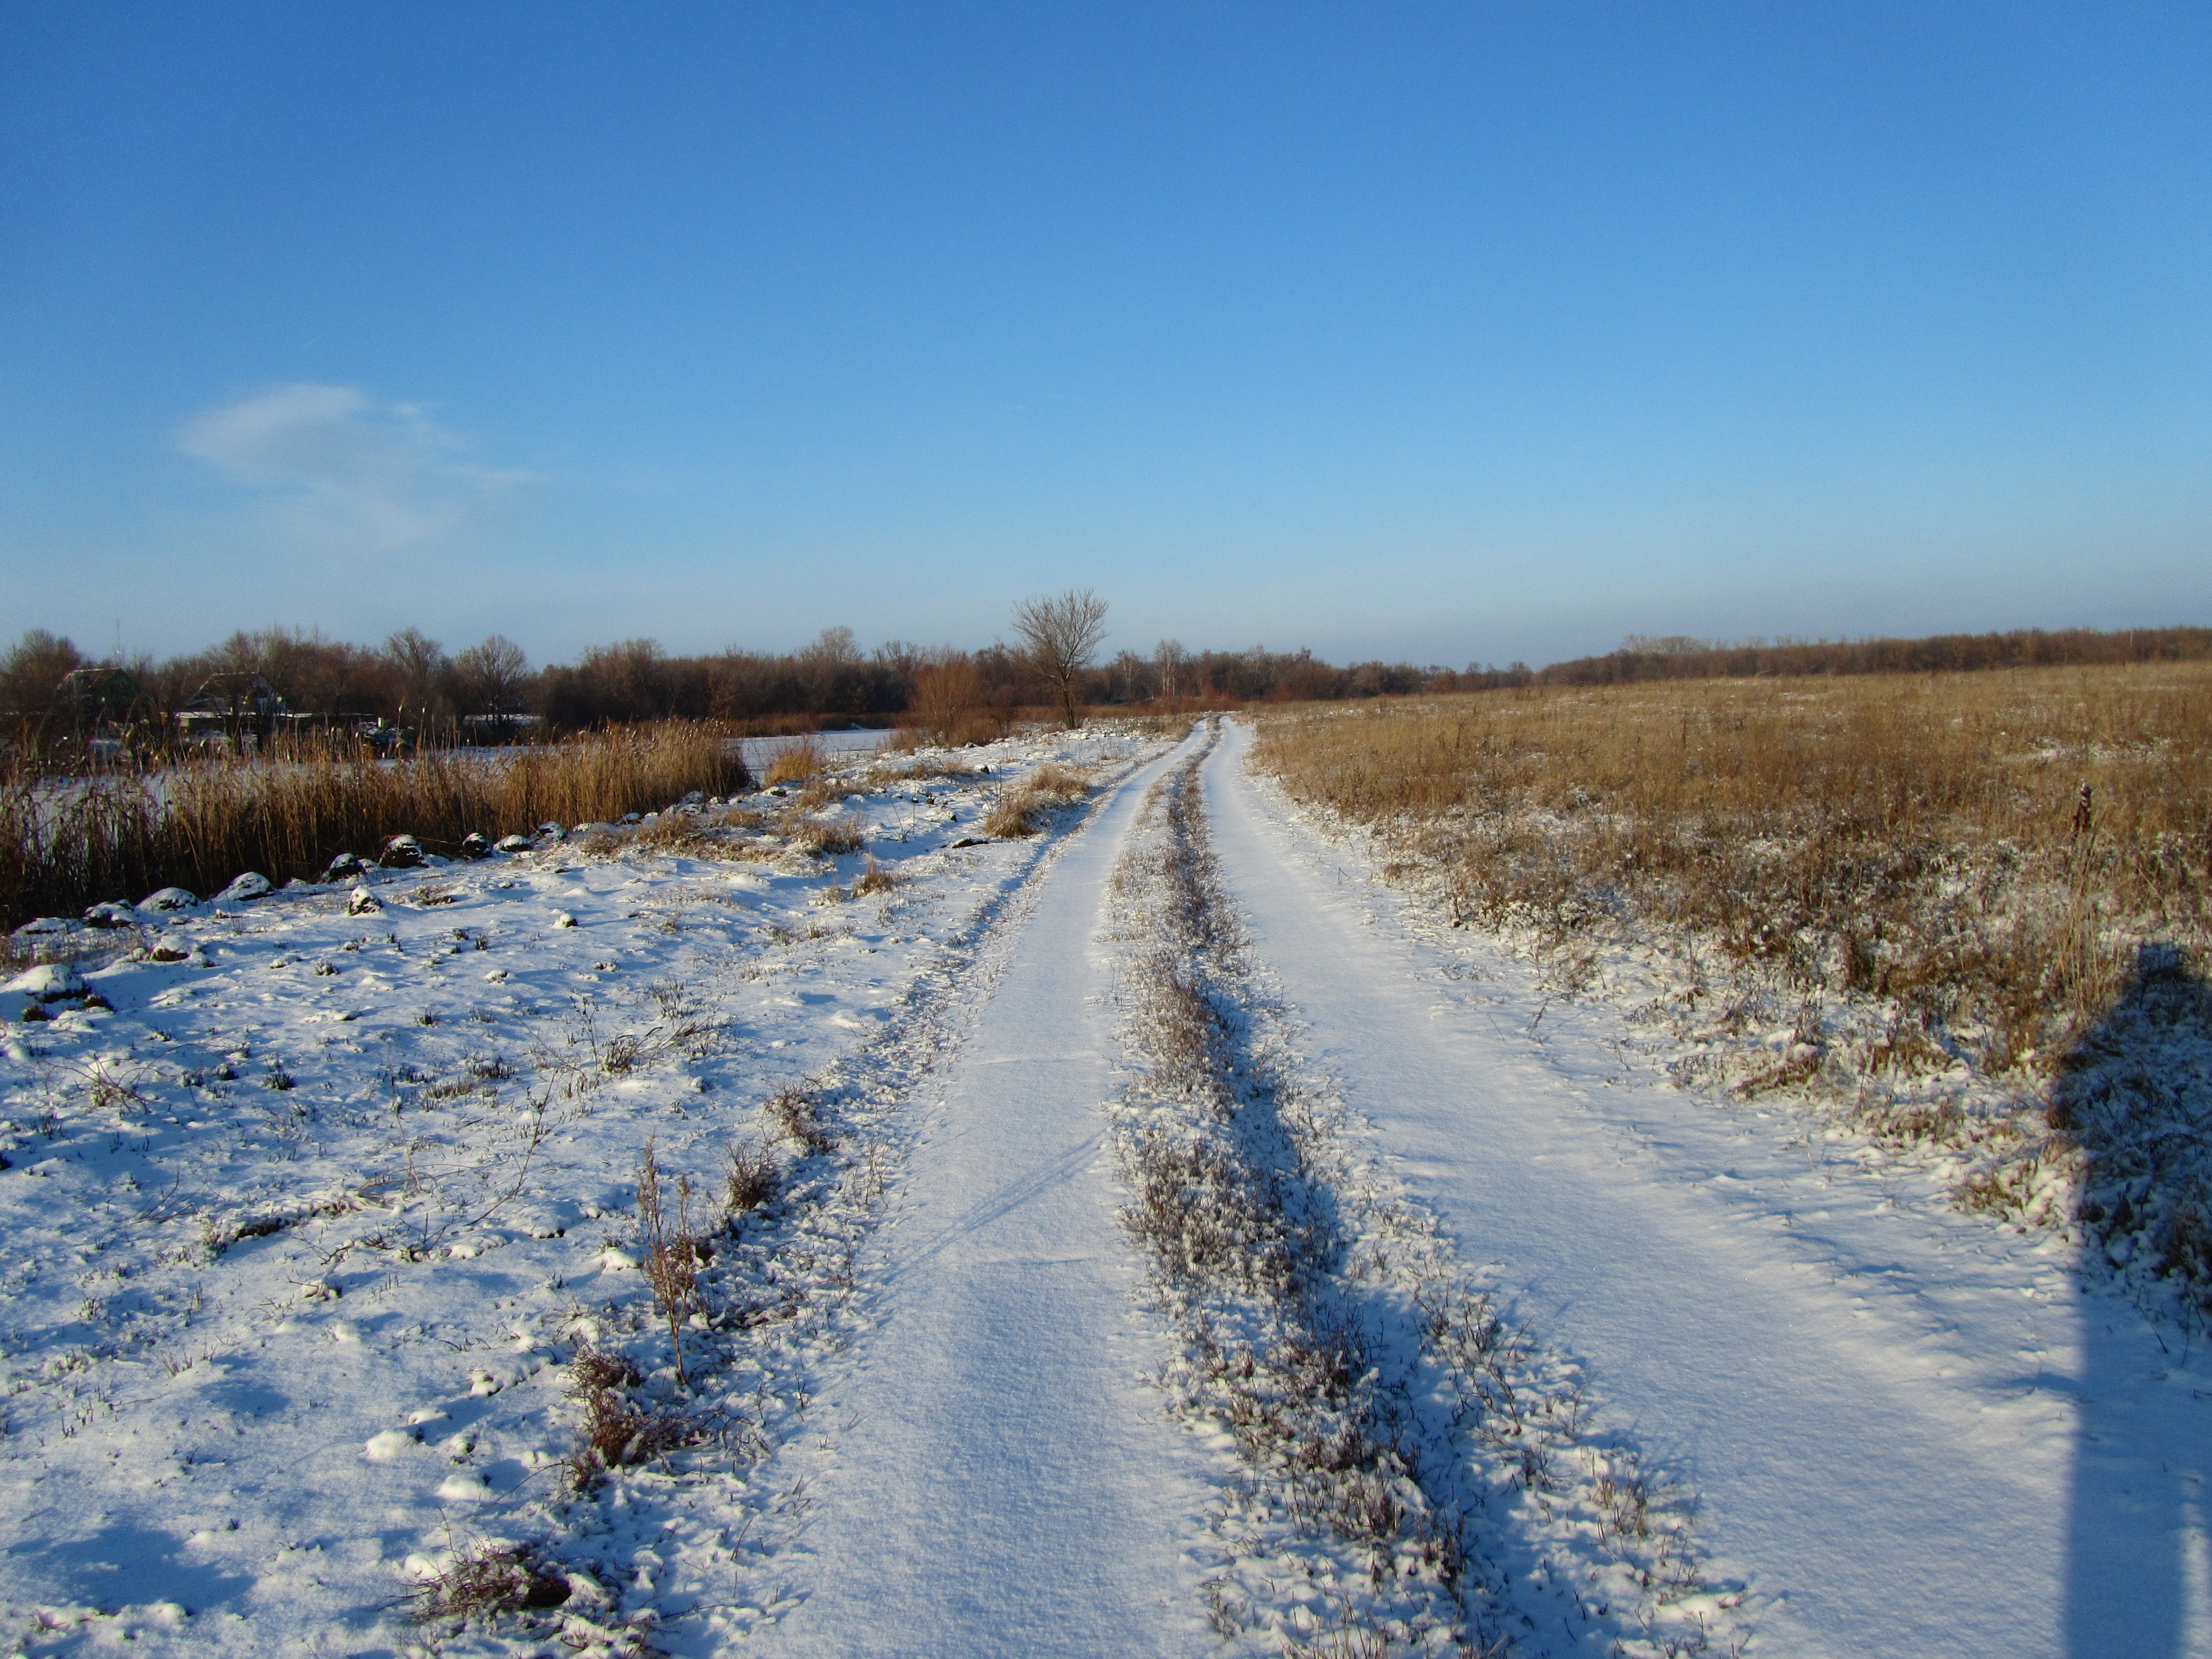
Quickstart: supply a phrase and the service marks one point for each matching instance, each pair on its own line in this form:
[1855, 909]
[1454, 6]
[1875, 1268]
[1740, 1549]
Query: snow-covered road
[995, 1481]
[270, 1360]
[1876, 1405]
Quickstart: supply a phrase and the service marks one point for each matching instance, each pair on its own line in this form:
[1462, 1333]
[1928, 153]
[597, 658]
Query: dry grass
[876, 877]
[797, 762]
[1021, 811]
[793, 1112]
[819, 837]
[1910, 894]
[119, 837]
[488, 1580]
[617, 1430]
[754, 1180]
[1925, 841]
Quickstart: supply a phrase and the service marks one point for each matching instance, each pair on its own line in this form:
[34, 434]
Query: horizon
[1428, 336]
[1100, 660]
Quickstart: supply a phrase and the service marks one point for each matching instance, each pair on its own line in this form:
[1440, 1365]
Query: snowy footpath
[1906, 1431]
[995, 1480]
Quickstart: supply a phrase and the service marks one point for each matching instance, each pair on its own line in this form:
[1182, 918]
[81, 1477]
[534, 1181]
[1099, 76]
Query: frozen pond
[759, 752]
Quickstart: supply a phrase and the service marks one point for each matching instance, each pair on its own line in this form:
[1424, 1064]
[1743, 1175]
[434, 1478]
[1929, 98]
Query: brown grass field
[2001, 879]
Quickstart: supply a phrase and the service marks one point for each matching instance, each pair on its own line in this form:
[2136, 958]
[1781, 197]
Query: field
[1969, 911]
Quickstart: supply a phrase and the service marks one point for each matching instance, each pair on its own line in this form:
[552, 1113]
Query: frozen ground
[306, 1235]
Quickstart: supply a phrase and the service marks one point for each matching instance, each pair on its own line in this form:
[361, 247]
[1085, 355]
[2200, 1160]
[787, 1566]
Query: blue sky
[1450, 332]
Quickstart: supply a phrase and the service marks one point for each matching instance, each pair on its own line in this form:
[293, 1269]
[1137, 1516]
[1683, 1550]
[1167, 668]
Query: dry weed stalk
[672, 1256]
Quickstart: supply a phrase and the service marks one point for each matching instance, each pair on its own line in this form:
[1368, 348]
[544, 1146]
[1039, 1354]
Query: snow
[49, 981]
[308, 1214]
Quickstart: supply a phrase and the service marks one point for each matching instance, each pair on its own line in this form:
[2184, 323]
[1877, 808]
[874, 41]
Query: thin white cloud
[334, 460]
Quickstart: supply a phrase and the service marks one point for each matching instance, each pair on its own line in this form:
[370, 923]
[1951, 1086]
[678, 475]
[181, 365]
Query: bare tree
[1169, 655]
[1058, 635]
[424, 670]
[493, 677]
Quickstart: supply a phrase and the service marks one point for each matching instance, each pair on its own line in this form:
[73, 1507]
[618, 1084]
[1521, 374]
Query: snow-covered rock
[169, 898]
[250, 885]
[402, 852]
[50, 981]
[345, 868]
[47, 928]
[363, 902]
[109, 914]
[513, 844]
[474, 845]
[550, 830]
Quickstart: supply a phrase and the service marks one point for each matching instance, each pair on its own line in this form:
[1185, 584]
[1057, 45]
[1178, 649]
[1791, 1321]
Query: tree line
[52, 694]
[55, 697]
[1676, 657]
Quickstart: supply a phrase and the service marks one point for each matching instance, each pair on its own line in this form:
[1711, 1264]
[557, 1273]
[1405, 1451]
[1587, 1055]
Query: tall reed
[70, 844]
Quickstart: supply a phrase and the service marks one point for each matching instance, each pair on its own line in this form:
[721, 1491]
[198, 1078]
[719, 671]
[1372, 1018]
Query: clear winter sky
[1447, 331]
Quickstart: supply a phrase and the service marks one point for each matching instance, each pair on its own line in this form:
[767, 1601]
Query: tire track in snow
[997, 1482]
[1402, 1470]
